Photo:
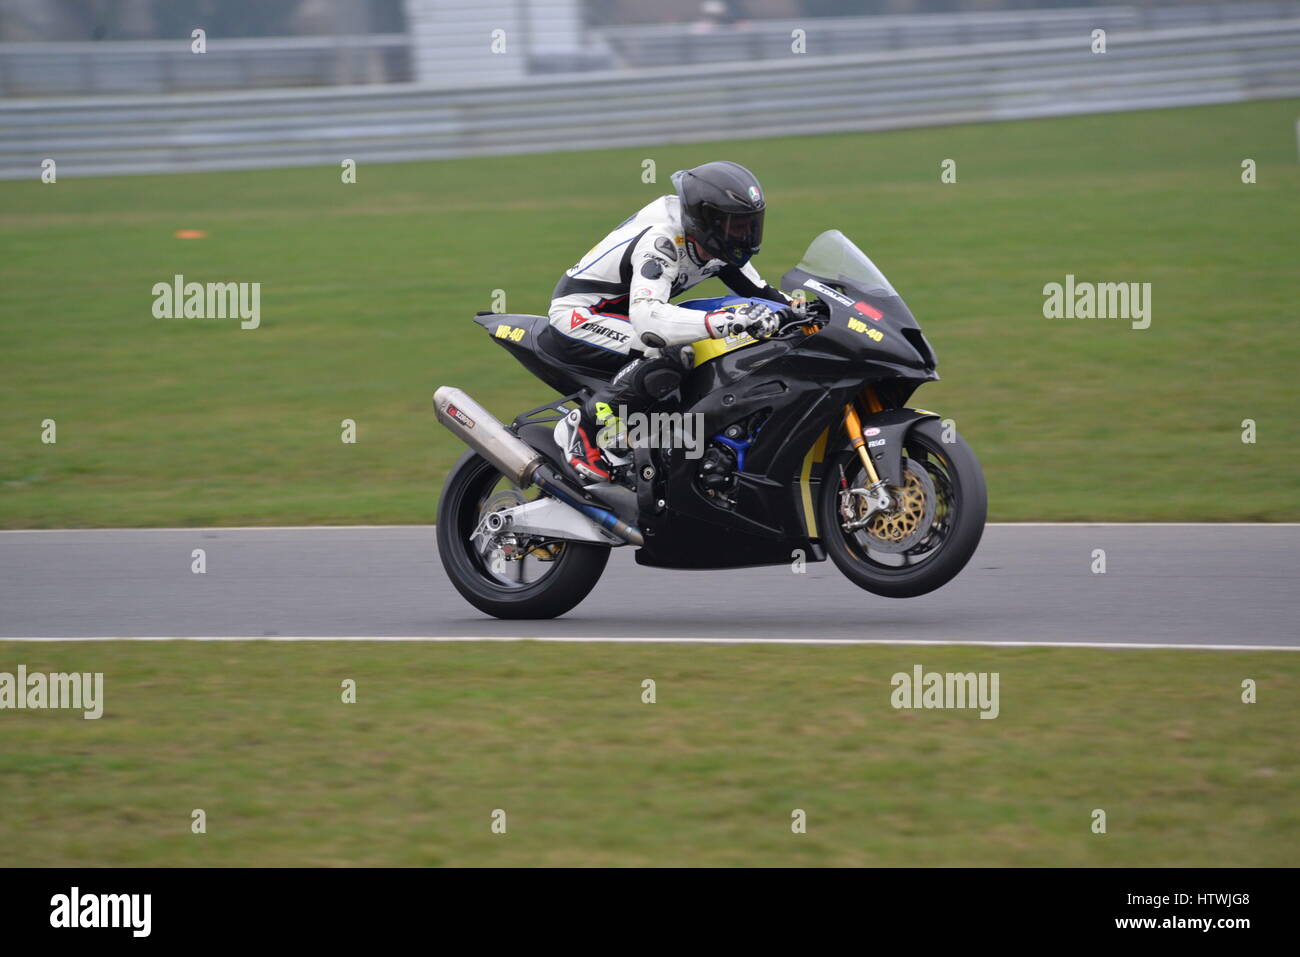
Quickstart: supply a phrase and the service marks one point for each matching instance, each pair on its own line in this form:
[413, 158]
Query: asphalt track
[1185, 585]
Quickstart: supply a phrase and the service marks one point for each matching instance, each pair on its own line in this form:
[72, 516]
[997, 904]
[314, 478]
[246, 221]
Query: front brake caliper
[859, 505]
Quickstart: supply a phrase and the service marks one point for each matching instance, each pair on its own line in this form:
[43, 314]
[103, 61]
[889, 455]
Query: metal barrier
[156, 66]
[445, 39]
[757, 40]
[100, 135]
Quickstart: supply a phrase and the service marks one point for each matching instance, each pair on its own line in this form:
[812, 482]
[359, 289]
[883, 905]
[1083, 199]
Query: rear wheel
[500, 575]
[935, 528]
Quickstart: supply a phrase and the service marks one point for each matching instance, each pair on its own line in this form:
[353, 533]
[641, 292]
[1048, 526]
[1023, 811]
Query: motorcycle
[812, 451]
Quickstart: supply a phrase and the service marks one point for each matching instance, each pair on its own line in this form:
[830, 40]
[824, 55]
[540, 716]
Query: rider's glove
[754, 318]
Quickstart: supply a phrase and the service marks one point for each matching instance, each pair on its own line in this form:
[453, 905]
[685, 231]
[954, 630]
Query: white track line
[348, 528]
[1142, 524]
[221, 528]
[1144, 646]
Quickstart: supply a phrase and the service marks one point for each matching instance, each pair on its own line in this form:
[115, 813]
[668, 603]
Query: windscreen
[834, 258]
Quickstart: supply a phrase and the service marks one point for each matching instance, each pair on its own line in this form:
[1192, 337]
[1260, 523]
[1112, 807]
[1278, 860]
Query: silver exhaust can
[477, 428]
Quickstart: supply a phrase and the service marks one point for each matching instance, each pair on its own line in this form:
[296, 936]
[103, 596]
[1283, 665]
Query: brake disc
[506, 498]
[905, 526]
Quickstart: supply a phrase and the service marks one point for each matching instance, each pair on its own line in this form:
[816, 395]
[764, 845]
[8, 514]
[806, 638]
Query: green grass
[442, 735]
[367, 290]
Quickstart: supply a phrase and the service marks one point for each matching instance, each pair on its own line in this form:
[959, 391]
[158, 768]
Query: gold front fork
[853, 425]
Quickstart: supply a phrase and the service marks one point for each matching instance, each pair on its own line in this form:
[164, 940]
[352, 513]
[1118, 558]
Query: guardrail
[754, 40]
[98, 136]
[549, 39]
[168, 66]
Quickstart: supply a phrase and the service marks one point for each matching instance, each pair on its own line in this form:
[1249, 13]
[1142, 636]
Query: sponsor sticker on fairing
[827, 292]
[857, 325]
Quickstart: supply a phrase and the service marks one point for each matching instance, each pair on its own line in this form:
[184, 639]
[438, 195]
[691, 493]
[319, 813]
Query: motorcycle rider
[614, 304]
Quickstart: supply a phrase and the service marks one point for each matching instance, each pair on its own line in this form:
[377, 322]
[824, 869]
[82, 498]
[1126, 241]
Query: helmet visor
[733, 236]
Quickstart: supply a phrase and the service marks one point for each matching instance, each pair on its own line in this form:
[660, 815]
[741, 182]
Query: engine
[724, 459]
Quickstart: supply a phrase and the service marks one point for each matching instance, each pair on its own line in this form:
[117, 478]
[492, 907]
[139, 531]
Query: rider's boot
[611, 434]
[593, 439]
[574, 435]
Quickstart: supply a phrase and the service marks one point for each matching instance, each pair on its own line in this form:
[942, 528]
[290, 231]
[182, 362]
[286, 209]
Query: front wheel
[503, 575]
[934, 529]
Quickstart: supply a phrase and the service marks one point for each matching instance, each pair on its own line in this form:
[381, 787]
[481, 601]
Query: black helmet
[722, 209]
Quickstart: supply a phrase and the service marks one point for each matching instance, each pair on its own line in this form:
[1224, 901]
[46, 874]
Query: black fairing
[535, 352]
[902, 348]
[798, 387]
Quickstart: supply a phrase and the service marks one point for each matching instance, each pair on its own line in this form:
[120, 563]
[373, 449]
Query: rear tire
[571, 577]
[955, 526]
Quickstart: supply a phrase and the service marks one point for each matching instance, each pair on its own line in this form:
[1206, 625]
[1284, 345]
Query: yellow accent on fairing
[707, 350]
[815, 454]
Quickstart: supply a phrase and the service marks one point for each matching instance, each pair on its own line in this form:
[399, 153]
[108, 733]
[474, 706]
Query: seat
[531, 340]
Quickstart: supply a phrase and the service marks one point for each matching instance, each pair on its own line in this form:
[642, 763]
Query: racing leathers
[616, 299]
[614, 306]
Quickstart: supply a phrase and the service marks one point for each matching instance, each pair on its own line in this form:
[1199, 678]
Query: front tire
[473, 486]
[926, 544]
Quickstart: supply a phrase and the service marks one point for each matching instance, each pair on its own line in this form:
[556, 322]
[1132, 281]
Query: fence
[101, 135]
[154, 66]
[757, 40]
[445, 41]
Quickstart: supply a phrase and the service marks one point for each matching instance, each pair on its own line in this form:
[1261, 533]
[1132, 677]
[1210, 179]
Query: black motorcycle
[809, 449]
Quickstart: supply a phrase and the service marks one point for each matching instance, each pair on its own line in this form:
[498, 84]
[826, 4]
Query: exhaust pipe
[477, 428]
[520, 462]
